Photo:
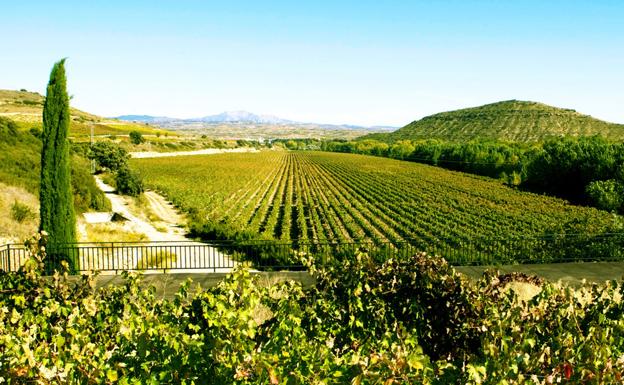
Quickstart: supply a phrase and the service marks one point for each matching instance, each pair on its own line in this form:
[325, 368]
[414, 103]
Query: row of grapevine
[317, 196]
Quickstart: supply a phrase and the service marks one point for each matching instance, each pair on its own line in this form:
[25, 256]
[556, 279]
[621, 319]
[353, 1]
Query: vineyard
[409, 321]
[327, 197]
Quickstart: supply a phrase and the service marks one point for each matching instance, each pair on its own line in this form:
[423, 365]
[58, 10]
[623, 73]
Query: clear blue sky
[360, 62]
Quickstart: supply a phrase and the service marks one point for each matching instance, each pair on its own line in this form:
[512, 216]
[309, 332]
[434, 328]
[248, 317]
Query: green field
[511, 120]
[316, 196]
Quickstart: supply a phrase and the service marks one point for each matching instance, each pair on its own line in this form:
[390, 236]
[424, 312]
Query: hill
[512, 120]
[25, 109]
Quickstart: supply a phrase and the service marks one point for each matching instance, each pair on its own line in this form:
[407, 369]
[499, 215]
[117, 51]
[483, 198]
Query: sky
[356, 62]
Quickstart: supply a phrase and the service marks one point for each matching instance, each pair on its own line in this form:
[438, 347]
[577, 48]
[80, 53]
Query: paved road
[570, 273]
[205, 151]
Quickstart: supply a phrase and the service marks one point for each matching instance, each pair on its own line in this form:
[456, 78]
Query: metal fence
[219, 256]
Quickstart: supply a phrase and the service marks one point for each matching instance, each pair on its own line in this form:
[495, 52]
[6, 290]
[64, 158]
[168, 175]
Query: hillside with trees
[511, 120]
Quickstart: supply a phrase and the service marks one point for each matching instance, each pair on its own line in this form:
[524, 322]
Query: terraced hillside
[343, 197]
[512, 120]
[25, 108]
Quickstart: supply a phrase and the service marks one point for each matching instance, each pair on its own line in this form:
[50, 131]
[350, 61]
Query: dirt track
[174, 224]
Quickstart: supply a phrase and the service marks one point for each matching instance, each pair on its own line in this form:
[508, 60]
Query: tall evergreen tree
[57, 209]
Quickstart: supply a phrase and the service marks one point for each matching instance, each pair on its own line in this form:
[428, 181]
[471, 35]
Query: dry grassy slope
[25, 108]
[507, 120]
[11, 230]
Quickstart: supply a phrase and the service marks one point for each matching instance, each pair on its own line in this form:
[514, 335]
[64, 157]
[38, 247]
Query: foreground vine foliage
[405, 321]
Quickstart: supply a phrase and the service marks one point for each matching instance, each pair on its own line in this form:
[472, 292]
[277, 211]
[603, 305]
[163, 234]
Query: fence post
[8, 257]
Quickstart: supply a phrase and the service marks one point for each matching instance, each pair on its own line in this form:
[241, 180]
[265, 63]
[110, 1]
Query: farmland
[316, 196]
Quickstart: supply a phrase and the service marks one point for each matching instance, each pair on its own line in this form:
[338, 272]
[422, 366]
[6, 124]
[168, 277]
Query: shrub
[606, 194]
[21, 212]
[36, 132]
[128, 182]
[136, 137]
[354, 326]
[87, 196]
[108, 155]
[421, 292]
[8, 128]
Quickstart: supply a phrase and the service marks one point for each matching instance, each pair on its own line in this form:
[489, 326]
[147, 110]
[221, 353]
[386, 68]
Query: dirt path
[206, 151]
[192, 253]
[163, 209]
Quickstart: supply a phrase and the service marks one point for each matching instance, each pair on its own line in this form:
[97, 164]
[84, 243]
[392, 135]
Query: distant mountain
[242, 117]
[512, 120]
[224, 117]
[145, 118]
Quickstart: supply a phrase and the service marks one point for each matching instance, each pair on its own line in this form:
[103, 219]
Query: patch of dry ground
[12, 231]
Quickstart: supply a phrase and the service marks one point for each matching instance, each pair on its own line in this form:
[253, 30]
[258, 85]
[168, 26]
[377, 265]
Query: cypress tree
[56, 200]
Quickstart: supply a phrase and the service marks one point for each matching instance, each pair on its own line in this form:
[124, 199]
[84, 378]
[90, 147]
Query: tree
[136, 137]
[606, 194]
[108, 155]
[128, 182]
[56, 200]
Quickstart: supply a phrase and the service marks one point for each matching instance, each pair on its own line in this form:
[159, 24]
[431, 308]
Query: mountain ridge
[243, 117]
[235, 116]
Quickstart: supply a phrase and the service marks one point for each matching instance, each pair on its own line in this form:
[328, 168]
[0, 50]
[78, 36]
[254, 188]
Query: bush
[109, 155]
[422, 293]
[36, 132]
[606, 194]
[87, 196]
[8, 128]
[363, 322]
[21, 212]
[128, 182]
[136, 137]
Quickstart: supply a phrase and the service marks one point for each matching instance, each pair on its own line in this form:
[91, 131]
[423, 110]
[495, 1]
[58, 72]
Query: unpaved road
[189, 253]
[206, 151]
[163, 209]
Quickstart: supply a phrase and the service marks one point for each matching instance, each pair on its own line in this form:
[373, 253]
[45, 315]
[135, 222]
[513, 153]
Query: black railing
[216, 256]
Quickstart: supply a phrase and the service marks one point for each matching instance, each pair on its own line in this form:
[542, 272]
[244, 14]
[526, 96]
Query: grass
[141, 205]
[156, 259]
[109, 179]
[21, 212]
[20, 159]
[16, 228]
[511, 120]
[111, 232]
